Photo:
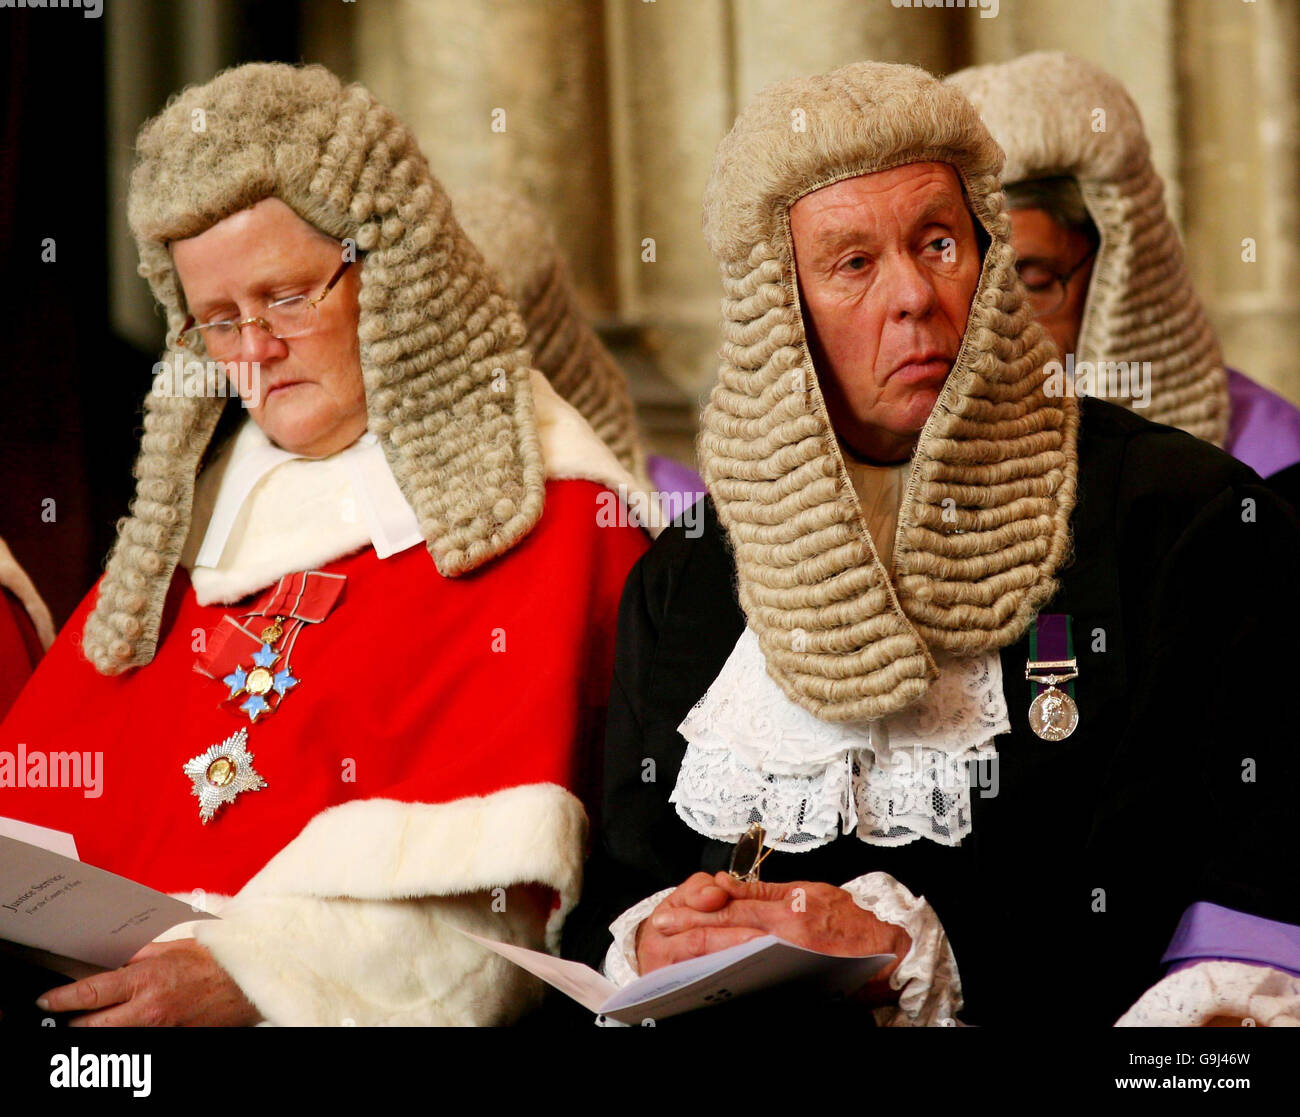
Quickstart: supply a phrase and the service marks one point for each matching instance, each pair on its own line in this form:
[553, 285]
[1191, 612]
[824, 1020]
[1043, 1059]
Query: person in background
[519, 246]
[26, 628]
[1106, 272]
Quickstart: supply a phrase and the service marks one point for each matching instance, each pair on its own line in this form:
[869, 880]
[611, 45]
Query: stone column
[670, 86]
[1241, 83]
[510, 94]
[776, 39]
[1132, 39]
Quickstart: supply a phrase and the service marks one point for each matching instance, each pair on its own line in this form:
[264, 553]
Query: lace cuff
[1190, 997]
[620, 961]
[930, 988]
[927, 979]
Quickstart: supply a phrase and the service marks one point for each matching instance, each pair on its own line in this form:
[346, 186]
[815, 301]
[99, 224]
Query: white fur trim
[354, 920]
[315, 962]
[381, 849]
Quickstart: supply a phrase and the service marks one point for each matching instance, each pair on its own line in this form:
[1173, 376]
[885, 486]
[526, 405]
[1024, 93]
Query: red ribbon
[306, 597]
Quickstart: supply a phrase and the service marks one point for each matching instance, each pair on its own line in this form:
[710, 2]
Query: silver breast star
[221, 773]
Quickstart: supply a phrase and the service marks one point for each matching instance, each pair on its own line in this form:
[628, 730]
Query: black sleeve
[1245, 740]
[678, 621]
[614, 879]
[1197, 803]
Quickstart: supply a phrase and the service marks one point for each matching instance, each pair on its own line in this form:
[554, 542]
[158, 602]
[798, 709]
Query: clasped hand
[711, 913]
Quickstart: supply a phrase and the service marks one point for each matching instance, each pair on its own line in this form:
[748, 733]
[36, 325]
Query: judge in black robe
[1178, 785]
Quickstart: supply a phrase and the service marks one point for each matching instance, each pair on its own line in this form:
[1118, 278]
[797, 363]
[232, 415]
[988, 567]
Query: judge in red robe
[338, 691]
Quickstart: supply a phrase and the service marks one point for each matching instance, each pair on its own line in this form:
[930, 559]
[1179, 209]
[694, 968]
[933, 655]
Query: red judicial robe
[428, 749]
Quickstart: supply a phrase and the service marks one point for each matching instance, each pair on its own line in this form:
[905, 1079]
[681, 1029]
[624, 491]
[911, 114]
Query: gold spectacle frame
[283, 319]
[749, 854]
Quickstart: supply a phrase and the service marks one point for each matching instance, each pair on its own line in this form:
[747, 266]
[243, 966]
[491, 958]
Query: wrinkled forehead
[268, 239]
[891, 203]
[910, 189]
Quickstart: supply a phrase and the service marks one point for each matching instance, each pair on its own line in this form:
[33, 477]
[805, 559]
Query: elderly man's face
[311, 399]
[887, 264]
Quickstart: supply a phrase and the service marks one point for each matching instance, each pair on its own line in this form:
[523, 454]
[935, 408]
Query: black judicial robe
[1186, 566]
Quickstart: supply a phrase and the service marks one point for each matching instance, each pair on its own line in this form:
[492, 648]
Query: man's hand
[667, 936]
[172, 983]
[695, 920]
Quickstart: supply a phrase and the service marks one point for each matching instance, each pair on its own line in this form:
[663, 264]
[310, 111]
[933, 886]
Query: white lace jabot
[754, 756]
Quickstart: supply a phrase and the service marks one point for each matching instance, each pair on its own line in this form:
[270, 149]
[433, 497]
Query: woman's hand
[165, 984]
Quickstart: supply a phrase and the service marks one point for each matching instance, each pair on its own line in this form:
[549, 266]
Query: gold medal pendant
[260, 680]
[221, 773]
[1053, 715]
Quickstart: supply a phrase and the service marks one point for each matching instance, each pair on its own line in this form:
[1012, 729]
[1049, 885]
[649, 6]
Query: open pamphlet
[65, 915]
[698, 982]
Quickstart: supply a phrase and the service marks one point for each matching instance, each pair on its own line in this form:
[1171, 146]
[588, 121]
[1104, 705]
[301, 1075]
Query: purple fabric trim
[1263, 428]
[1188, 963]
[1052, 641]
[679, 486]
[1211, 933]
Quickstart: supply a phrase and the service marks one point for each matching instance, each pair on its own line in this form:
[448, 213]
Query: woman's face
[307, 395]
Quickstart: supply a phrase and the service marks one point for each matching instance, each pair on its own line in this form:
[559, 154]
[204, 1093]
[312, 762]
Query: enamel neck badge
[254, 666]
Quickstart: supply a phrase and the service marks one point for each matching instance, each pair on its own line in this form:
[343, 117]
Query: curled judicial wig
[984, 521]
[446, 378]
[1043, 108]
[519, 246]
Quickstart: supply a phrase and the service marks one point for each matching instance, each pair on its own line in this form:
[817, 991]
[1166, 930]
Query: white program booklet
[62, 907]
[710, 979]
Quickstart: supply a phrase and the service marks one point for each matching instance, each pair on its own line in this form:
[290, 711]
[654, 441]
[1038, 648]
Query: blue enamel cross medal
[255, 666]
[259, 680]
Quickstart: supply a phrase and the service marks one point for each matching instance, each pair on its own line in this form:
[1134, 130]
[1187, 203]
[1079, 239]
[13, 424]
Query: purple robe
[678, 486]
[1263, 428]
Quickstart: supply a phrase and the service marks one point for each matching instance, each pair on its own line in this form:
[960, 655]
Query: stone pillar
[776, 39]
[1132, 39]
[670, 87]
[1241, 85]
[510, 94]
[154, 47]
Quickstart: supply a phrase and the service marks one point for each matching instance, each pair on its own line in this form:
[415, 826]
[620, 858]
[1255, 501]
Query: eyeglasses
[749, 854]
[1047, 289]
[296, 316]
